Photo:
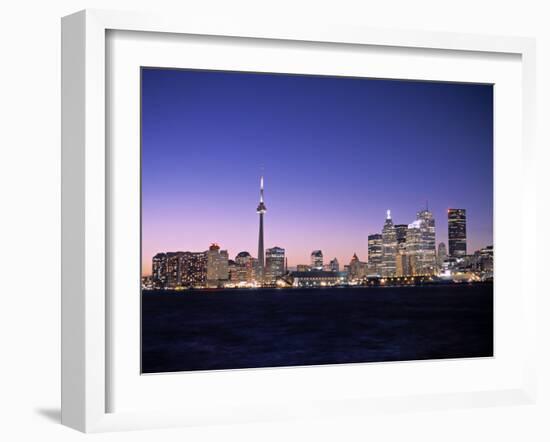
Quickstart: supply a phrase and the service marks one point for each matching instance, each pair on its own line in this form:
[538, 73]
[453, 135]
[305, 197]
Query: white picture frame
[86, 209]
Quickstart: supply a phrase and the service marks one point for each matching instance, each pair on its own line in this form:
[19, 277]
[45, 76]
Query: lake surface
[225, 329]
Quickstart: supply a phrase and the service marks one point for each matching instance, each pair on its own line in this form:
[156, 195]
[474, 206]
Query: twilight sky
[336, 153]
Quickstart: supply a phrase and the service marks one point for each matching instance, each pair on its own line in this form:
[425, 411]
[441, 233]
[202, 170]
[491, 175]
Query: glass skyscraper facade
[456, 219]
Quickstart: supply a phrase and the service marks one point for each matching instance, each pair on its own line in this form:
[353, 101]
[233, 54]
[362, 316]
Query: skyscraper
[389, 247]
[261, 210]
[456, 219]
[317, 260]
[427, 232]
[414, 247]
[217, 265]
[334, 265]
[274, 264]
[401, 233]
[441, 254]
[375, 253]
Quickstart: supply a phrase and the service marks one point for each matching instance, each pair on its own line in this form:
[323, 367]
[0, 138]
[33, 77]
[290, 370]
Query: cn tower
[261, 210]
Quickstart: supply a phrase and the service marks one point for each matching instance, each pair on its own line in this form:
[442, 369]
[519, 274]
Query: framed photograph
[262, 223]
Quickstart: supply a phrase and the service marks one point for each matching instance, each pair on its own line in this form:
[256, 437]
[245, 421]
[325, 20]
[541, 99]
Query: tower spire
[261, 210]
[261, 189]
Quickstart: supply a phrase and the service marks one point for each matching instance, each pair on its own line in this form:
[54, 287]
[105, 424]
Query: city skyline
[199, 175]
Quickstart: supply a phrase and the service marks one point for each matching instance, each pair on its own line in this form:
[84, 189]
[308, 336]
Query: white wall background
[30, 219]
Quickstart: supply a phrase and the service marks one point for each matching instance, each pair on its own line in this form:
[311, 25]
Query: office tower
[375, 253]
[402, 261]
[245, 267]
[357, 269]
[317, 260]
[223, 269]
[389, 247]
[401, 258]
[401, 233]
[274, 264]
[427, 230]
[441, 254]
[456, 219]
[217, 265]
[261, 209]
[334, 265]
[413, 247]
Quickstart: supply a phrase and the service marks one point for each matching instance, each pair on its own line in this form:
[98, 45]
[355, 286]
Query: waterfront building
[375, 253]
[247, 268]
[389, 247]
[484, 260]
[193, 269]
[159, 270]
[357, 269]
[303, 268]
[274, 264]
[402, 260]
[441, 254]
[261, 209]
[217, 266]
[317, 260]
[317, 278]
[173, 270]
[334, 266]
[242, 258]
[456, 219]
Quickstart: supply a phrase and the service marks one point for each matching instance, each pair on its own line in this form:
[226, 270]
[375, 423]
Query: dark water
[269, 327]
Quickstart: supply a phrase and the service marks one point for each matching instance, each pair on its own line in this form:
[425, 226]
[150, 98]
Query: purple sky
[336, 153]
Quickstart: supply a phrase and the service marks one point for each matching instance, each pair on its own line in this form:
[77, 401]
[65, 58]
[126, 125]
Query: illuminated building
[159, 270]
[427, 247]
[413, 247]
[246, 268]
[217, 266]
[375, 253]
[316, 278]
[389, 247]
[274, 264]
[334, 265]
[193, 269]
[456, 219]
[233, 270]
[401, 233]
[401, 257]
[441, 254]
[317, 260]
[261, 209]
[303, 268]
[357, 269]
[173, 270]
